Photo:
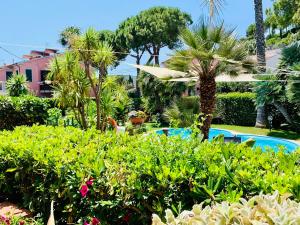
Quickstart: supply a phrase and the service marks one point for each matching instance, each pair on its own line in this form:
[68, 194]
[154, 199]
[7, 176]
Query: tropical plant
[110, 37]
[211, 50]
[214, 6]
[158, 94]
[260, 209]
[290, 55]
[293, 87]
[183, 112]
[17, 85]
[272, 92]
[114, 99]
[71, 86]
[94, 54]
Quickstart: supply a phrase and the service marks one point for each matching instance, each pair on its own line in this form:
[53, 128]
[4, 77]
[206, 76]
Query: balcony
[45, 89]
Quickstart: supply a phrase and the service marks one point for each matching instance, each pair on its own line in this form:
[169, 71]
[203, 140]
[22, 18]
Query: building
[34, 67]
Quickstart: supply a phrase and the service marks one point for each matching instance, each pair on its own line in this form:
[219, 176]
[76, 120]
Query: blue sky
[37, 23]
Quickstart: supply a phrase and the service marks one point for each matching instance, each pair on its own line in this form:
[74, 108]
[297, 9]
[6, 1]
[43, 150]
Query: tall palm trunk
[261, 55]
[207, 102]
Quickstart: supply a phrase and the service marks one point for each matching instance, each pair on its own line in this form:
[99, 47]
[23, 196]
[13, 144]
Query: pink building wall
[36, 65]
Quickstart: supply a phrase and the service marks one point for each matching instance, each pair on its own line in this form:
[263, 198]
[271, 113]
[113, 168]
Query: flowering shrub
[121, 179]
[261, 209]
[14, 220]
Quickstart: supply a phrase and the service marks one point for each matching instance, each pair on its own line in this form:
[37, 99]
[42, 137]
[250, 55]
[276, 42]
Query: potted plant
[137, 117]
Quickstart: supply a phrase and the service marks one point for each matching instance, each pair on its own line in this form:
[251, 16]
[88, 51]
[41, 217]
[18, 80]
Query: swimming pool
[263, 142]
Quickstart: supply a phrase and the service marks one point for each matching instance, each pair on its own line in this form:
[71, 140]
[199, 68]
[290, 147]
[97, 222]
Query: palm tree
[17, 85]
[211, 50]
[214, 6]
[261, 55]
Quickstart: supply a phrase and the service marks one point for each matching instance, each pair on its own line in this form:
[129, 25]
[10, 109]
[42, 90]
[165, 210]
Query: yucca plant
[17, 85]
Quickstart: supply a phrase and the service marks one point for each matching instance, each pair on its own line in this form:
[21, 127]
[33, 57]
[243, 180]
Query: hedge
[236, 108]
[122, 179]
[231, 108]
[25, 110]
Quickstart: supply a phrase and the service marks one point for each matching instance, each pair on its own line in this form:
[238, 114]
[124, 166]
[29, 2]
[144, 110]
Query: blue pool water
[263, 142]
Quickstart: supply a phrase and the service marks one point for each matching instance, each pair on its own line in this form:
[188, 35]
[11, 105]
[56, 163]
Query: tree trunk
[261, 55]
[138, 91]
[283, 111]
[260, 117]
[156, 55]
[98, 111]
[207, 102]
[83, 118]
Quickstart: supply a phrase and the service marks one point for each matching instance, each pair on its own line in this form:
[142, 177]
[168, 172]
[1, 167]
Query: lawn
[258, 131]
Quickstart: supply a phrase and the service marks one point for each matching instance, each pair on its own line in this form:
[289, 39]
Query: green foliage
[236, 108]
[15, 220]
[291, 55]
[225, 87]
[293, 87]
[260, 209]
[71, 86]
[54, 115]
[66, 36]
[25, 110]
[183, 112]
[231, 108]
[111, 38]
[17, 85]
[152, 30]
[250, 33]
[133, 176]
[158, 94]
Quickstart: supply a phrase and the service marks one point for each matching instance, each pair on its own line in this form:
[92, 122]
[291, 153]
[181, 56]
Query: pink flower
[90, 182]
[84, 190]
[95, 221]
[86, 223]
[5, 219]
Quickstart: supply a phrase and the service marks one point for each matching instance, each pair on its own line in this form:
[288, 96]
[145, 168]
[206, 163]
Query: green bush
[124, 179]
[15, 220]
[236, 108]
[231, 108]
[25, 110]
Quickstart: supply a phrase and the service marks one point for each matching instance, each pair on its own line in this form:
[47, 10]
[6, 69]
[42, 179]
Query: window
[44, 74]
[28, 73]
[8, 74]
[17, 71]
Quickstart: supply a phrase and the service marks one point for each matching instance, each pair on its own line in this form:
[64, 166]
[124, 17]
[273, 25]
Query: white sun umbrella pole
[51, 220]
